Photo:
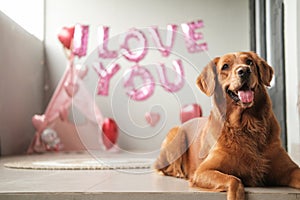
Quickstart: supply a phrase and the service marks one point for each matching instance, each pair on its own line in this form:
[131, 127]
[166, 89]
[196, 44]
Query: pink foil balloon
[170, 38]
[80, 40]
[81, 71]
[71, 88]
[141, 92]
[64, 113]
[104, 77]
[39, 122]
[138, 53]
[192, 36]
[178, 82]
[190, 111]
[152, 118]
[103, 52]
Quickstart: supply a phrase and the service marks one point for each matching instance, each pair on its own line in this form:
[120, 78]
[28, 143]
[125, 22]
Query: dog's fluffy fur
[239, 143]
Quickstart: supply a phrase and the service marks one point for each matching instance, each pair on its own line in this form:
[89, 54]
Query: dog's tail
[173, 154]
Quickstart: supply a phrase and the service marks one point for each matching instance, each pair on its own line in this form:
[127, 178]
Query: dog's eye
[225, 66]
[249, 62]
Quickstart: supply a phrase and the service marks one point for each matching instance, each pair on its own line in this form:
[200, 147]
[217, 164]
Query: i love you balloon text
[193, 41]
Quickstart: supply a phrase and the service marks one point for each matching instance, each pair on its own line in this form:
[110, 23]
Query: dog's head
[237, 76]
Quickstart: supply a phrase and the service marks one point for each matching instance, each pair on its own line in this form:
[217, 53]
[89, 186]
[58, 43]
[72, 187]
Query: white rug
[82, 164]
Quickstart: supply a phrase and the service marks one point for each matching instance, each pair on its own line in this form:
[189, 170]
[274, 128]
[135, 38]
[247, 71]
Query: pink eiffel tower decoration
[70, 93]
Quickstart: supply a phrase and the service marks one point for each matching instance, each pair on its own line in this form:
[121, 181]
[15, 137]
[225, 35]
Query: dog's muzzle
[244, 72]
[245, 93]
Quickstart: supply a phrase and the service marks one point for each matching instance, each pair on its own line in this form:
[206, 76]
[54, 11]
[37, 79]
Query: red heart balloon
[110, 133]
[65, 36]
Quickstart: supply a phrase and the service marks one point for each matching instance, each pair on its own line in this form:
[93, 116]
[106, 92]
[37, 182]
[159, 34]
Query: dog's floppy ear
[264, 69]
[206, 80]
[266, 72]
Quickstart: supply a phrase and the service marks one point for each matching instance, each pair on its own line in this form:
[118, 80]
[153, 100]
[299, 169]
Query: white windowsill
[111, 184]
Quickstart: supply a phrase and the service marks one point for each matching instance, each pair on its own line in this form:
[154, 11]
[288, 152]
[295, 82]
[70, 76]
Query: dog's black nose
[244, 72]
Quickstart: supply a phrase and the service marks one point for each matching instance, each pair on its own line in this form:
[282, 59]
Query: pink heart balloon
[81, 71]
[38, 121]
[190, 111]
[152, 118]
[71, 89]
[63, 113]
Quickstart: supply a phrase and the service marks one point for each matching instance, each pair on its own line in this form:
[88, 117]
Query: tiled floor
[109, 184]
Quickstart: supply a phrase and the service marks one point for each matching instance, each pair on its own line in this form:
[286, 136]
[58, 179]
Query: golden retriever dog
[239, 143]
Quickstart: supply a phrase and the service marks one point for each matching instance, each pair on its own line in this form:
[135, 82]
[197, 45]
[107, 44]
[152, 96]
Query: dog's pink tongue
[246, 96]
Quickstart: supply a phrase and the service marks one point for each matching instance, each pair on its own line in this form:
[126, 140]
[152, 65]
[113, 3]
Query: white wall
[226, 30]
[292, 55]
[21, 85]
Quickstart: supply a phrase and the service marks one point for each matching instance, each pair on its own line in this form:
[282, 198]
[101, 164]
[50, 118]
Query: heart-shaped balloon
[81, 71]
[63, 113]
[65, 36]
[110, 133]
[190, 111]
[152, 118]
[71, 89]
[38, 121]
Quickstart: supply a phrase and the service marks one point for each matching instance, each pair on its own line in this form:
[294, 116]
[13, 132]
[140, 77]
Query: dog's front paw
[295, 179]
[220, 182]
[236, 189]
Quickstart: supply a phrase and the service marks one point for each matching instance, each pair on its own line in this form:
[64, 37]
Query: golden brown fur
[239, 143]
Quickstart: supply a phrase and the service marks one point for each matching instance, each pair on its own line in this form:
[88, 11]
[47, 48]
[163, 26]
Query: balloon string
[71, 66]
